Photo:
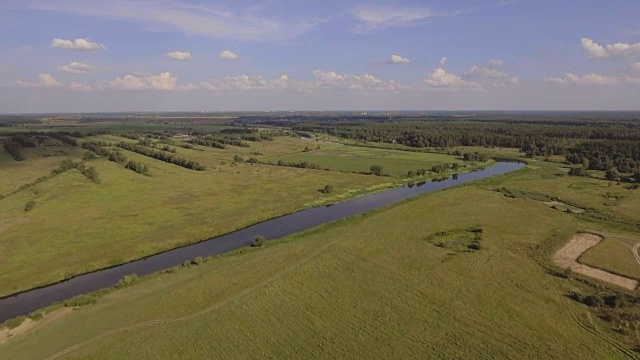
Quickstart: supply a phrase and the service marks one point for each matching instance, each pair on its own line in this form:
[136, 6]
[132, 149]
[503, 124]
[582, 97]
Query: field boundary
[567, 258]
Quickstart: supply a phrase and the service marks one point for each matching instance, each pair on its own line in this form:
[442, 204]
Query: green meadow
[364, 288]
[359, 159]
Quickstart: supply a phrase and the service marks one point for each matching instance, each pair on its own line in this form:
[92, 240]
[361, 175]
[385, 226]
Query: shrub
[89, 156]
[474, 246]
[376, 170]
[29, 206]
[328, 189]
[81, 300]
[576, 295]
[615, 301]
[36, 315]
[127, 280]
[259, 241]
[14, 322]
[198, 260]
[594, 301]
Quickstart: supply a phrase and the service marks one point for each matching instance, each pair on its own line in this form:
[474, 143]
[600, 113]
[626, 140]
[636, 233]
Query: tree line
[162, 156]
[117, 157]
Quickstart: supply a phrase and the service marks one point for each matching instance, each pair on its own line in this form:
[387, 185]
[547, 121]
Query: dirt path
[567, 257]
[28, 324]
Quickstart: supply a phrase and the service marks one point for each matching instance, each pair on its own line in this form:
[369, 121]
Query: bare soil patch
[567, 257]
[28, 324]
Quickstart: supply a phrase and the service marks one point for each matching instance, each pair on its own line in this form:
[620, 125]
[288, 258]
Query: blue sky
[83, 56]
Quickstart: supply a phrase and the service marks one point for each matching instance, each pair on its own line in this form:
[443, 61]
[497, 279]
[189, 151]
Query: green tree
[612, 174]
[328, 189]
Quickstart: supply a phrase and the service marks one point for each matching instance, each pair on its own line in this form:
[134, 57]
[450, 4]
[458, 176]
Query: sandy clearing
[567, 257]
[28, 324]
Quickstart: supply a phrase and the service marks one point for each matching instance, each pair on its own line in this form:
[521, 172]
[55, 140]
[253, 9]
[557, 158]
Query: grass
[79, 226]
[613, 255]
[360, 159]
[376, 290]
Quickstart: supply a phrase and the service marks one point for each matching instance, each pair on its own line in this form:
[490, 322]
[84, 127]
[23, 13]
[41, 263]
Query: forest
[593, 143]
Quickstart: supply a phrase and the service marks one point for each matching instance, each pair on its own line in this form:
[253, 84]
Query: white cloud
[77, 68]
[491, 70]
[443, 61]
[617, 50]
[48, 80]
[321, 80]
[74, 86]
[77, 44]
[161, 81]
[372, 17]
[179, 55]
[44, 80]
[632, 80]
[187, 18]
[228, 55]
[397, 59]
[333, 80]
[240, 82]
[636, 65]
[441, 80]
[588, 79]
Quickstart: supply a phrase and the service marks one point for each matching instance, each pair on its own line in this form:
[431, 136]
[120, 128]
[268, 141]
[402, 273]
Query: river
[26, 302]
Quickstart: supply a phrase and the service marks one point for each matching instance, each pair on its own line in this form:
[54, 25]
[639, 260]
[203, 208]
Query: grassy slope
[380, 291]
[129, 215]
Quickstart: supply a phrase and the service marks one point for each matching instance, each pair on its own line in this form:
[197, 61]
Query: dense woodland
[594, 144]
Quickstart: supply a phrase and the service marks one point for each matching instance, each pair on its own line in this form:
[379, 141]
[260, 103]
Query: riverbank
[27, 302]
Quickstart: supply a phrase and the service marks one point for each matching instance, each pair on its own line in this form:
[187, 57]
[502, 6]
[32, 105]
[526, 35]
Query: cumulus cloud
[228, 55]
[636, 65]
[161, 81]
[491, 70]
[443, 61]
[77, 44]
[44, 80]
[321, 80]
[617, 50]
[334, 80]
[372, 17]
[77, 68]
[441, 80]
[179, 55]
[240, 82]
[397, 59]
[74, 86]
[587, 79]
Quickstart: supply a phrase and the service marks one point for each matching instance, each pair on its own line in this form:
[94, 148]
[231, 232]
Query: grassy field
[360, 159]
[128, 215]
[362, 288]
[614, 255]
